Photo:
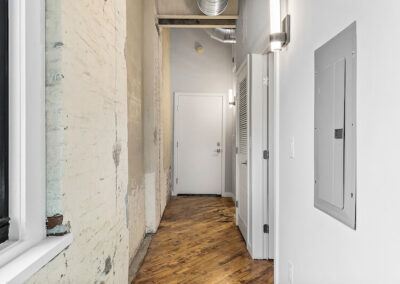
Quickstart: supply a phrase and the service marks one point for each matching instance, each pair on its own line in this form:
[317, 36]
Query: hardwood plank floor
[198, 242]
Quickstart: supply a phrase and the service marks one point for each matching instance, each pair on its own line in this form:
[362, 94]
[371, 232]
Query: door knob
[218, 150]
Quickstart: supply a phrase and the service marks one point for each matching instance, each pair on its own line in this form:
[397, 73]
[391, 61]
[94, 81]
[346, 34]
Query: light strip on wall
[275, 17]
[231, 98]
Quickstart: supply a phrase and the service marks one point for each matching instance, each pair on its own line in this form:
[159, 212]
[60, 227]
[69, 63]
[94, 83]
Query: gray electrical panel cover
[335, 127]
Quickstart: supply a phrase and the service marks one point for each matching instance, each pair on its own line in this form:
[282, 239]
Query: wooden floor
[198, 242]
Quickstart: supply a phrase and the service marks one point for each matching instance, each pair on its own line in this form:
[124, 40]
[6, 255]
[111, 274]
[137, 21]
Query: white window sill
[25, 265]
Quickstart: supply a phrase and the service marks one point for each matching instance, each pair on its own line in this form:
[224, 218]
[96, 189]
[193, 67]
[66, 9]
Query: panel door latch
[266, 154]
[266, 229]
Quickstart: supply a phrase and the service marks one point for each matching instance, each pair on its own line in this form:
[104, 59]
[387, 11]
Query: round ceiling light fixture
[199, 48]
[212, 7]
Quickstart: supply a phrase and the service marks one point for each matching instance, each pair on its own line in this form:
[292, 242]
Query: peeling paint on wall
[116, 152]
[154, 81]
[54, 108]
[107, 265]
[56, 227]
[127, 208]
[135, 195]
[85, 90]
[97, 79]
[166, 120]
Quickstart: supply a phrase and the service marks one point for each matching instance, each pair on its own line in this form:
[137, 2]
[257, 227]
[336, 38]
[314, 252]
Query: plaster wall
[321, 249]
[135, 198]
[210, 72]
[165, 123]
[151, 104]
[155, 82]
[253, 29]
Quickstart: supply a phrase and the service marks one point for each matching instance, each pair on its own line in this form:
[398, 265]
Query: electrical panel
[335, 127]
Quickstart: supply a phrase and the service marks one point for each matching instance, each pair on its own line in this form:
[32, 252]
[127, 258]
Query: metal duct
[212, 7]
[223, 35]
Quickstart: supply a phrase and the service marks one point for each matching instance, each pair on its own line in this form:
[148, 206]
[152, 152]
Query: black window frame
[4, 122]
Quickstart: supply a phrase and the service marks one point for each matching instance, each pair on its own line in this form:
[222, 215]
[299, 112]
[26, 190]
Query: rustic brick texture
[98, 78]
[87, 140]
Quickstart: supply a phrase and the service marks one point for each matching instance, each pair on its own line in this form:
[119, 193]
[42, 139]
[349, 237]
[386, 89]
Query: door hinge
[266, 229]
[176, 180]
[266, 154]
[237, 204]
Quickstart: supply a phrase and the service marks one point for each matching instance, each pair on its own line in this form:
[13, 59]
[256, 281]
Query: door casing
[243, 221]
[258, 243]
[175, 134]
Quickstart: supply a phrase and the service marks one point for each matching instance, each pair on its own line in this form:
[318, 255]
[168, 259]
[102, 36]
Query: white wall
[322, 249]
[210, 72]
[253, 28]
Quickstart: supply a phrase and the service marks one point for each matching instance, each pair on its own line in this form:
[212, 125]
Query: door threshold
[203, 195]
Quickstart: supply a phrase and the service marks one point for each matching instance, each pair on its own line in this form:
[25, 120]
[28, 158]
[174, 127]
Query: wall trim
[27, 264]
[229, 194]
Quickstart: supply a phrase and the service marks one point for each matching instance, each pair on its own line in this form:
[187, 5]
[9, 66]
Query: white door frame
[260, 135]
[258, 197]
[237, 162]
[243, 66]
[223, 150]
[272, 137]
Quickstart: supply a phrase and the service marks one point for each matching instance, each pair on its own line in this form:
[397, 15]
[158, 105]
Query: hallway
[198, 242]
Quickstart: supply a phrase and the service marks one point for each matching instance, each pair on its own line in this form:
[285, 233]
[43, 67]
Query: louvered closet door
[243, 126]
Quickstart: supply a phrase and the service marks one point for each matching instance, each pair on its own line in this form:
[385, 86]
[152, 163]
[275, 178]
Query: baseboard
[224, 194]
[229, 194]
[199, 195]
[137, 261]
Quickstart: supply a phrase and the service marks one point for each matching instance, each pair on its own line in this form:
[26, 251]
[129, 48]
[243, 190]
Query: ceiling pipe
[223, 35]
[212, 7]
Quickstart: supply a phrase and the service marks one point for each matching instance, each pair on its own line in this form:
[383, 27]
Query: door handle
[245, 163]
[218, 150]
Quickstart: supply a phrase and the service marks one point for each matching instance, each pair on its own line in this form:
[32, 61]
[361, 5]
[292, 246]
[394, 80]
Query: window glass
[4, 220]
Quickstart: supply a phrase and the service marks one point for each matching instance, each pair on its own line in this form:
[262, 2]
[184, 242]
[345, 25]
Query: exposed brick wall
[97, 68]
[87, 139]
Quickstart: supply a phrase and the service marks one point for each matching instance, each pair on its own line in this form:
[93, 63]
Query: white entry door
[198, 143]
[243, 157]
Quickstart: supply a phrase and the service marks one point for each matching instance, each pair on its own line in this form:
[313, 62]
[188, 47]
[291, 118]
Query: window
[4, 220]
[23, 176]
[26, 248]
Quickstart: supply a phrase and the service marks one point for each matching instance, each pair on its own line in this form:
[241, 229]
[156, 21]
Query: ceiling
[186, 14]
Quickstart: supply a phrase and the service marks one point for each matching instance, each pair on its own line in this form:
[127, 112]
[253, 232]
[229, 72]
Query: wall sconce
[231, 98]
[281, 39]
